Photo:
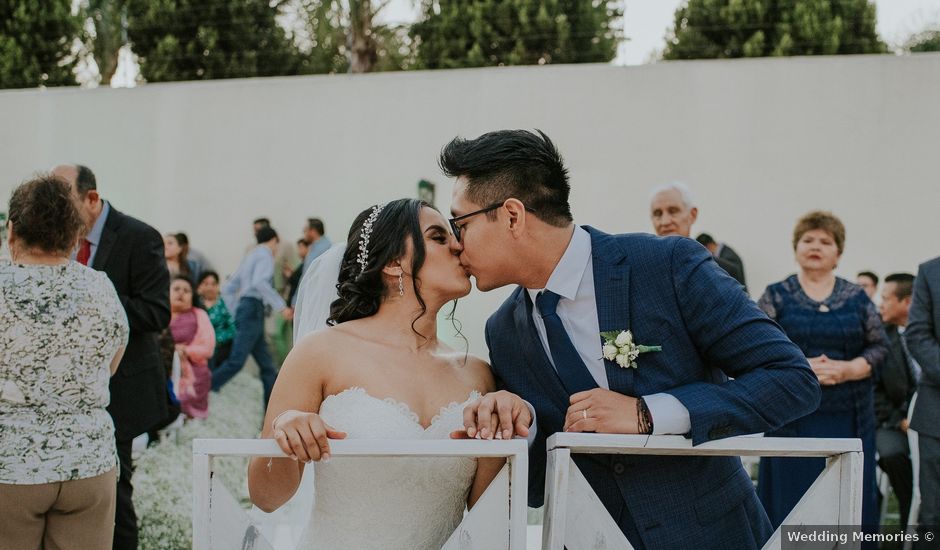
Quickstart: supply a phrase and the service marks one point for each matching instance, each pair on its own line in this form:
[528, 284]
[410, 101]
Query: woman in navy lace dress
[839, 330]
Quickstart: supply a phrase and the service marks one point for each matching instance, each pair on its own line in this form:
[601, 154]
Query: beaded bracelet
[644, 419]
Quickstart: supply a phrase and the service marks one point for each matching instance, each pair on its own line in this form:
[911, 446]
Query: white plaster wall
[759, 141]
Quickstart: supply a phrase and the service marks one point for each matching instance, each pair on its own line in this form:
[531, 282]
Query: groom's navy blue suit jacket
[668, 292]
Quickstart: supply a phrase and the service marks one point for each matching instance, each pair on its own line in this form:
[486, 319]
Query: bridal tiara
[365, 235]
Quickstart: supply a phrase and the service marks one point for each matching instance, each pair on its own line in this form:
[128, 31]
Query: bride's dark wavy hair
[361, 294]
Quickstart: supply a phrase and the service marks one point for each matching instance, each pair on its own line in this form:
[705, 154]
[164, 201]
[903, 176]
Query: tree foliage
[345, 36]
[208, 39]
[478, 33]
[927, 41]
[36, 41]
[107, 17]
[708, 29]
[317, 28]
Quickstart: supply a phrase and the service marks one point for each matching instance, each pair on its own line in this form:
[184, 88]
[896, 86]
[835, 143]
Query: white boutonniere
[620, 347]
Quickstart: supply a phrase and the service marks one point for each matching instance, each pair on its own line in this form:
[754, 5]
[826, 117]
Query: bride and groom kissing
[377, 370]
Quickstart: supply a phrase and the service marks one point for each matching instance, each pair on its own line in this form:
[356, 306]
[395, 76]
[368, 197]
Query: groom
[514, 224]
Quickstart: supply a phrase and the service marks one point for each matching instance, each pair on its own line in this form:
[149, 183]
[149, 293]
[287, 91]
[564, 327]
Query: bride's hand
[496, 414]
[304, 436]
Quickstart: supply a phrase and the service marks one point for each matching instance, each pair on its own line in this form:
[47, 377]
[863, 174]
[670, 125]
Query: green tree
[107, 17]
[207, 39]
[344, 36]
[36, 42]
[478, 33]
[317, 28]
[927, 41]
[708, 29]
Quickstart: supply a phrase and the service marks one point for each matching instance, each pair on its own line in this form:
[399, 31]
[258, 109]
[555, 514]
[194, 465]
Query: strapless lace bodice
[387, 503]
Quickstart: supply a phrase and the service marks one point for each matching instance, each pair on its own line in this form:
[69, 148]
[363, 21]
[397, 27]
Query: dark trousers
[125, 519]
[249, 340]
[929, 517]
[894, 458]
[221, 353]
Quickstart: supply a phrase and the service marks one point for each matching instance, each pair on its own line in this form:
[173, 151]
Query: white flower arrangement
[163, 489]
[620, 347]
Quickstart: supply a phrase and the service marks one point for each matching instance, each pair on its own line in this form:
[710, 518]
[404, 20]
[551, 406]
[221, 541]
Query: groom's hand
[498, 414]
[601, 411]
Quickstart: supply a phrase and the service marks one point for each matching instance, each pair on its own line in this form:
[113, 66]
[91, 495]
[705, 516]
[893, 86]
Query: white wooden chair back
[576, 519]
[497, 521]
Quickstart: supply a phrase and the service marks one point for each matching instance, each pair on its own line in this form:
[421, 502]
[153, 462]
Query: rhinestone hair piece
[363, 258]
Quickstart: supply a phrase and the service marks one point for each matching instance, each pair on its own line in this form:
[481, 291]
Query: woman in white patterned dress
[62, 335]
[379, 372]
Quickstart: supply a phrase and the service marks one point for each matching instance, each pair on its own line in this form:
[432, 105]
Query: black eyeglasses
[456, 228]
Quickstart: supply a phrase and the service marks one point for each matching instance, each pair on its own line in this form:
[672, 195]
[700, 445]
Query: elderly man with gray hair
[673, 211]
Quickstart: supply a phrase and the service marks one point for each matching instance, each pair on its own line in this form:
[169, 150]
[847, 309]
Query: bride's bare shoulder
[322, 345]
[324, 337]
[476, 370]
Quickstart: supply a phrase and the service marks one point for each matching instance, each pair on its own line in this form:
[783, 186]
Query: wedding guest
[726, 257]
[250, 287]
[258, 223]
[196, 260]
[923, 339]
[839, 330]
[194, 340]
[130, 252]
[63, 333]
[167, 351]
[869, 283]
[256, 226]
[293, 282]
[673, 211]
[315, 235]
[894, 389]
[282, 340]
[175, 253]
[222, 322]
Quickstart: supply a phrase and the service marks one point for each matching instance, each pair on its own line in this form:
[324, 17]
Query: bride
[379, 372]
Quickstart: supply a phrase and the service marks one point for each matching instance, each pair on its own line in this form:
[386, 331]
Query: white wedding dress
[387, 503]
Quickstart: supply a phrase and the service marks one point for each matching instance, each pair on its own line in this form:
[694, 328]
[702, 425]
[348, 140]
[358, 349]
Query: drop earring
[401, 285]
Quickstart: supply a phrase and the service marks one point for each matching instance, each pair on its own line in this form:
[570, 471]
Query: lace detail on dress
[404, 408]
[388, 503]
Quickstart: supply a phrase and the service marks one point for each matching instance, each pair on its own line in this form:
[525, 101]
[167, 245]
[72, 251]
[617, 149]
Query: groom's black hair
[515, 164]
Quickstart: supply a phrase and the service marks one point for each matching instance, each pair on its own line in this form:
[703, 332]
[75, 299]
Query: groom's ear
[517, 214]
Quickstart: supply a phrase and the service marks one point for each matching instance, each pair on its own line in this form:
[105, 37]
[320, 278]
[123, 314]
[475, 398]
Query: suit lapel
[534, 352]
[106, 244]
[612, 298]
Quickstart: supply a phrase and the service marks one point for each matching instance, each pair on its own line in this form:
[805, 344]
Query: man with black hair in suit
[130, 252]
[894, 389]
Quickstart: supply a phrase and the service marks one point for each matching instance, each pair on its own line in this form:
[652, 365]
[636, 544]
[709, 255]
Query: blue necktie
[574, 375]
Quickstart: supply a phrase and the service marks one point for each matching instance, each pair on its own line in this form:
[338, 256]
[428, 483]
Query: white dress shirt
[573, 280]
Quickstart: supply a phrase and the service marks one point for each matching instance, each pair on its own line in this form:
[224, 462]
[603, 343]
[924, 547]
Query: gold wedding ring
[584, 413]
